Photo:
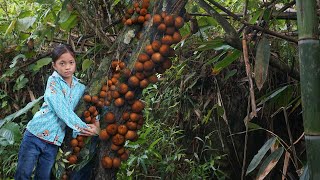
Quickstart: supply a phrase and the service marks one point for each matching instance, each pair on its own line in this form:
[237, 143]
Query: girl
[45, 132]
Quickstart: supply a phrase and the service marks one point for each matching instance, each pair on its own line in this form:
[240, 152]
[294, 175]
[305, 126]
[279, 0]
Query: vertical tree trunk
[309, 53]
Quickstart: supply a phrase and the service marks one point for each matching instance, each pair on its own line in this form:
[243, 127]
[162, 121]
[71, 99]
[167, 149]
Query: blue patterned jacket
[57, 111]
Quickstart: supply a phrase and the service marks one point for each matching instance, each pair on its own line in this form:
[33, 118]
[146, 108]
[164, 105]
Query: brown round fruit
[92, 109]
[139, 75]
[162, 27]
[125, 116]
[138, 66]
[166, 64]
[107, 162]
[143, 11]
[122, 129]
[133, 81]
[141, 19]
[156, 44]
[131, 125]
[115, 94]
[176, 37]
[143, 57]
[157, 57]
[149, 50]
[87, 119]
[129, 95]
[104, 135]
[164, 49]
[169, 20]
[109, 117]
[147, 17]
[94, 99]
[167, 39]
[112, 129]
[124, 156]
[148, 65]
[118, 139]
[86, 114]
[74, 142]
[153, 79]
[170, 30]
[121, 151]
[87, 98]
[123, 88]
[115, 147]
[144, 83]
[137, 106]
[126, 72]
[178, 22]
[134, 117]
[131, 135]
[119, 102]
[157, 19]
[116, 162]
[72, 159]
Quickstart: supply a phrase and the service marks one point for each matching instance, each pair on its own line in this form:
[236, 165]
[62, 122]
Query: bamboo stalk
[309, 52]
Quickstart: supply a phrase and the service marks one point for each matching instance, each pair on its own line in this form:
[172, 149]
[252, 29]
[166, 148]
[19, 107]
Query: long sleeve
[58, 103]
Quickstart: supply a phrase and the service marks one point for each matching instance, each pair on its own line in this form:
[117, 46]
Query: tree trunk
[309, 53]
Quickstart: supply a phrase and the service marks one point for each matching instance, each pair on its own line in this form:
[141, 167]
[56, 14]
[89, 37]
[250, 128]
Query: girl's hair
[61, 49]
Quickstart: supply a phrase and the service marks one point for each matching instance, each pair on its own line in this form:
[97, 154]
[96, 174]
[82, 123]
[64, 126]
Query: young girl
[45, 132]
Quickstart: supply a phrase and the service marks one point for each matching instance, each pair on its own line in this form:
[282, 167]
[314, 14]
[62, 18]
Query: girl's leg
[28, 156]
[46, 161]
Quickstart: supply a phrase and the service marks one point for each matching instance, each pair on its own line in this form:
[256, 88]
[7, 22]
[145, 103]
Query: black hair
[61, 49]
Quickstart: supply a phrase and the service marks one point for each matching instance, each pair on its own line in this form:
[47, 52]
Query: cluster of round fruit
[138, 14]
[121, 92]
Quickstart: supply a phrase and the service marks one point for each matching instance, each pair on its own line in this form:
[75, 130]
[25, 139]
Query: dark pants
[35, 152]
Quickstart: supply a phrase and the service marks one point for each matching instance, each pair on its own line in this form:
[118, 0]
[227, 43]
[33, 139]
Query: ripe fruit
[116, 162]
[164, 49]
[80, 138]
[109, 117]
[162, 27]
[131, 125]
[138, 66]
[104, 135]
[178, 22]
[119, 102]
[106, 162]
[81, 144]
[92, 109]
[143, 57]
[115, 147]
[156, 45]
[87, 119]
[167, 39]
[141, 19]
[124, 156]
[122, 129]
[176, 37]
[131, 135]
[157, 57]
[133, 81]
[166, 64]
[129, 95]
[105, 88]
[149, 50]
[74, 142]
[115, 94]
[123, 88]
[72, 159]
[139, 75]
[144, 83]
[134, 117]
[147, 17]
[94, 99]
[153, 79]
[86, 114]
[121, 151]
[118, 139]
[170, 30]
[126, 72]
[125, 116]
[137, 106]
[168, 20]
[87, 98]
[143, 11]
[112, 129]
[157, 19]
[148, 65]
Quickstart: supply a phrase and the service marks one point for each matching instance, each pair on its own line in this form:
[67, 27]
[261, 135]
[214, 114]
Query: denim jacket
[57, 110]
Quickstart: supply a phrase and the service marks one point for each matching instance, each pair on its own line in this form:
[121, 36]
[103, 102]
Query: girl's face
[65, 65]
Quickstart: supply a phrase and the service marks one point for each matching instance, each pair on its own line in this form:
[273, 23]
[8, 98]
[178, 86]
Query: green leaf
[15, 60]
[86, 64]
[234, 55]
[261, 153]
[272, 95]
[40, 63]
[24, 23]
[64, 15]
[269, 163]
[70, 23]
[256, 16]
[262, 62]
[253, 126]
[10, 133]
[20, 112]
[20, 82]
[230, 74]
[11, 27]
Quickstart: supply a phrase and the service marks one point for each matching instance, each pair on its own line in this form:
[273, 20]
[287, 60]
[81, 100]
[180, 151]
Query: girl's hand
[93, 130]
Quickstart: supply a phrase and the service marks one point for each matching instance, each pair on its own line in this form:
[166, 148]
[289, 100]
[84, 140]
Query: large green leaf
[70, 23]
[20, 112]
[271, 95]
[262, 62]
[9, 133]
[11, 27]
[86, 64]
[40, 63]
[15, 60]
[24, 23]
[261, 153]
[269, 163]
